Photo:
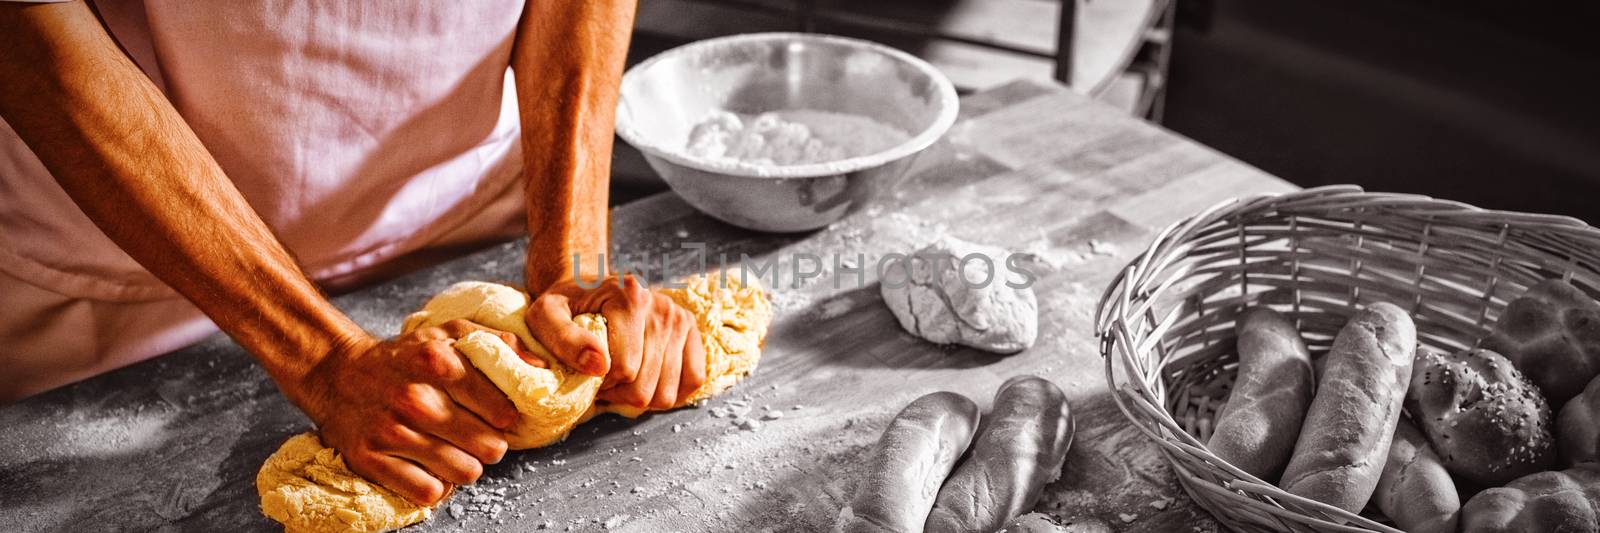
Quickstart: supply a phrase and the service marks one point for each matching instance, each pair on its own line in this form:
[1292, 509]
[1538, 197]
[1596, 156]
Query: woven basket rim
[1141, 388]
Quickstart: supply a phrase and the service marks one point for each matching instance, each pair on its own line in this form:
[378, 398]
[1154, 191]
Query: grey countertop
[174, 443]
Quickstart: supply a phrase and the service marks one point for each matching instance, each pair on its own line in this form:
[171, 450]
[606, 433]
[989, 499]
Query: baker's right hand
[410, 413]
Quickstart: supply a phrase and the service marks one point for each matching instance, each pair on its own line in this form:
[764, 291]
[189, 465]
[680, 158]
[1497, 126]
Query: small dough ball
[1578, 427]
[1487, 421]
[957, 292]
[308, 489]
[1552, 334]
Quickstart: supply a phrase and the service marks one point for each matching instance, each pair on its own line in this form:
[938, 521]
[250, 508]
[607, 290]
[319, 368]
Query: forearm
[568, 61]
[126, 157]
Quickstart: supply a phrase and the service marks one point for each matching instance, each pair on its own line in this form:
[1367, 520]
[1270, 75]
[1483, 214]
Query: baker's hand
[410, 413]
[655, 360]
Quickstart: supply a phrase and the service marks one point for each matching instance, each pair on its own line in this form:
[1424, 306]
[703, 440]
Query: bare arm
[568, 62]
[130, 162]
[126, 157]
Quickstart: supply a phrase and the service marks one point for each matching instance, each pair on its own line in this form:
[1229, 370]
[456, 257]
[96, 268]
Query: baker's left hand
[655, 359]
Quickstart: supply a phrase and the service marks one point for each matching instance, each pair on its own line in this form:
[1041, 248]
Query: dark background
[1489, 103]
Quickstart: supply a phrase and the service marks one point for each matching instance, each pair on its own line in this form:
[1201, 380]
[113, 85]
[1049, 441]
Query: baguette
[1023, 447]
[1345, 438]
[1257, 428]
[1415, 490]
[912, 458]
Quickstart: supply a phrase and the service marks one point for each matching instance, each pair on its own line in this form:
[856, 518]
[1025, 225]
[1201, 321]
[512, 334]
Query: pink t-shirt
[358, 130]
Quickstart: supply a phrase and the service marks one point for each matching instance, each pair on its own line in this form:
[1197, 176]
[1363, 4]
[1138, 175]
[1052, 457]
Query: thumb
[550, 320]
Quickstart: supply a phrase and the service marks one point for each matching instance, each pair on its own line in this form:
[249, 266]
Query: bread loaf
[1578, 428]
[1023, 446]
[1415, 490]
[912, 458]
[1345, 438]
[1489, 424]
[1257, 428]
[1552, 334]
[1567, 501]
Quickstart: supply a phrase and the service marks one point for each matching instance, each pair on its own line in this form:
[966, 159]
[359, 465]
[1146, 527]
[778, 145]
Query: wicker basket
[1165, 325]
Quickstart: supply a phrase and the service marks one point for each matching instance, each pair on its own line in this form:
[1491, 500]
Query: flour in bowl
[790, 137]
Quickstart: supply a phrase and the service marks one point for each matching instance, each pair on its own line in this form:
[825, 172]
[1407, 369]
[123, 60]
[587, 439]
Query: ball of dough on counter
[956, 292]
[1488, 423]
[1552, 334]
[322, 494]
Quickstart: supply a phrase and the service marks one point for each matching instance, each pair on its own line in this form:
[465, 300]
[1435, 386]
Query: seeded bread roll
[1552, 334]
[913, 456]
[1567, 501]
[1578, 428]
[1023, 447]
[1257, 428]
[1415, 490]
[1489, 423]
[1345, 438]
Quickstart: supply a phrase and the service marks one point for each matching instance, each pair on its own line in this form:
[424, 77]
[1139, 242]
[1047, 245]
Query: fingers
[666, 393]
[444, 366]
[641, 390]
[482, 398]
[627, 310]
[550, 320]
[404, 477]
[439, 457]
[694, 364]
[458, 329]
[431, 411]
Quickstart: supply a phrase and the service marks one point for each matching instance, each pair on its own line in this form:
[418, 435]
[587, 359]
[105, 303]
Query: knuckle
[416, 404]
[438, 360]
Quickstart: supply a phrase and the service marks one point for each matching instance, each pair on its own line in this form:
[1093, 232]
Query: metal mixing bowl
[664, 97]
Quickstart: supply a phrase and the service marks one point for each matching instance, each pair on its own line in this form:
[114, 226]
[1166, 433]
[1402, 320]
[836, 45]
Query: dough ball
[1488, 423]
[956, 292]
[307, 487]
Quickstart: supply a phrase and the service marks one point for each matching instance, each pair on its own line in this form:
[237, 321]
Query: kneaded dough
[308, 488]
[939, 297]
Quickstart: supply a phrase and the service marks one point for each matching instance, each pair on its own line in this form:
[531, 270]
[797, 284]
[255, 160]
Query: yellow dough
[308, 488]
